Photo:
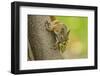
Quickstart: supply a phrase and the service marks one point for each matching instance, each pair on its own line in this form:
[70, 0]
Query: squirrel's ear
[68, 32]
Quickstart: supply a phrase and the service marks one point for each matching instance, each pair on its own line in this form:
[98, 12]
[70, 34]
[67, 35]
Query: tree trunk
[42, 41]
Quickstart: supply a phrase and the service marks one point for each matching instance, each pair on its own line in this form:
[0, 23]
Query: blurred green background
[78, 38]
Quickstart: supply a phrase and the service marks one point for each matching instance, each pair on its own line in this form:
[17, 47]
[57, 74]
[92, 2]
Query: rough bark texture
[30, 52]
[41, 41]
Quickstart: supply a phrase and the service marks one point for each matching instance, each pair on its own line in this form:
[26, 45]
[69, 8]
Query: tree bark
[42, 41]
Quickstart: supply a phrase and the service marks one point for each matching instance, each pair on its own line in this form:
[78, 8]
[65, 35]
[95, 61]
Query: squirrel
[60, 31]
